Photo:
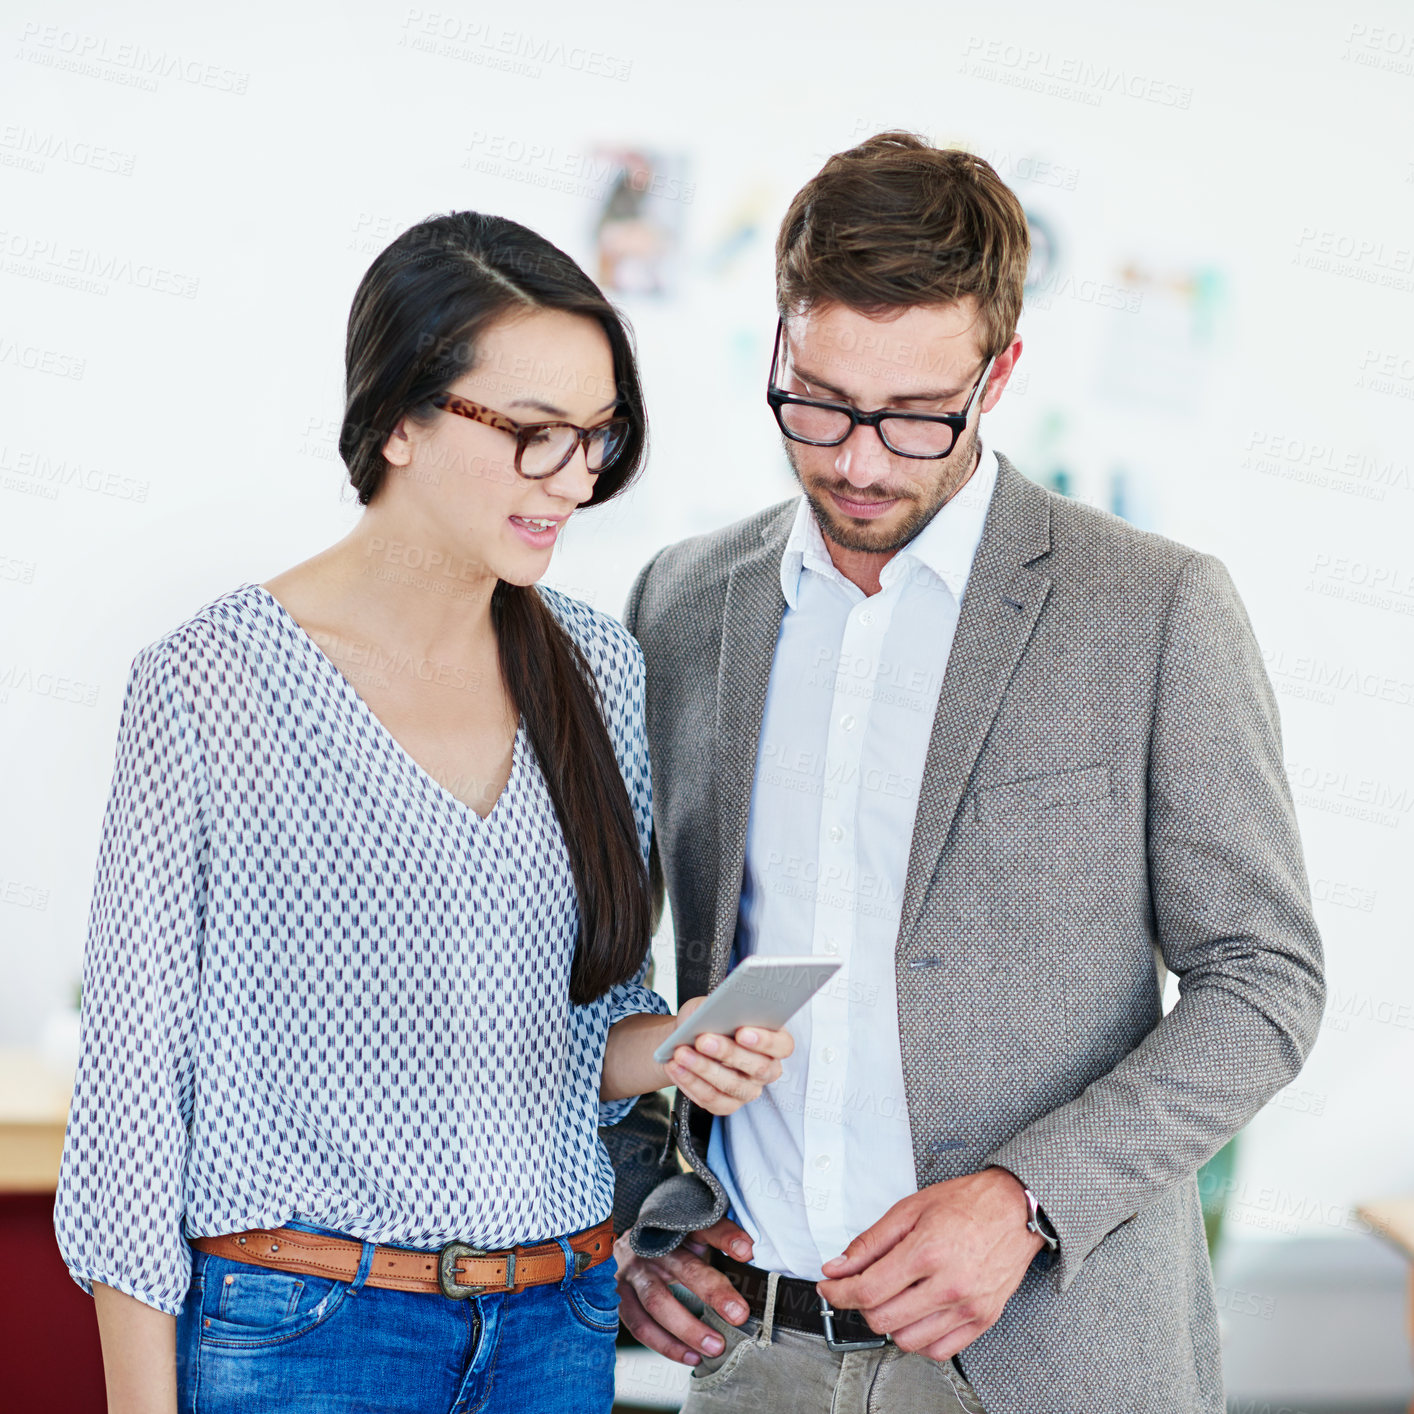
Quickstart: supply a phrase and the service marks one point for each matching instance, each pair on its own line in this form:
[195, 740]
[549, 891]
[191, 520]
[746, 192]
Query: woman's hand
[723, 1073]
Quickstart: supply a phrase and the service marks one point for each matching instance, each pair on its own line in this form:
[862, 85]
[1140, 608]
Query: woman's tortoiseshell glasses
[543, 448]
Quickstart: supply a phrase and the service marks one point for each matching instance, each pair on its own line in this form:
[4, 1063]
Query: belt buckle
[827, 1319]
[447, 1281]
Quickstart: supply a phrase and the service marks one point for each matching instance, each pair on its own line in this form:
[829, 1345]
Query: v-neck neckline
[380, 729]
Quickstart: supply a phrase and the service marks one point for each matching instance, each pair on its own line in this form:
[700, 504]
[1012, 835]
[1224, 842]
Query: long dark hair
[414, 328]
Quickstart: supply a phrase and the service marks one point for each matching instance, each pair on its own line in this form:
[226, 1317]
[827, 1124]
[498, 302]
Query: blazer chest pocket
[1035, 794]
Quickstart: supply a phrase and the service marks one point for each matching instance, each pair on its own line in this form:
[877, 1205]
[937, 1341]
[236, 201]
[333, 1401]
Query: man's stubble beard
[869, 537]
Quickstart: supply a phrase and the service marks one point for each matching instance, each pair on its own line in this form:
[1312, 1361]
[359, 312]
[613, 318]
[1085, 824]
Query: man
[1007, 758]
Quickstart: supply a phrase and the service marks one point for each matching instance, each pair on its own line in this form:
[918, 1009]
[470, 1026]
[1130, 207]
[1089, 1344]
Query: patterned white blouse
[317, 985]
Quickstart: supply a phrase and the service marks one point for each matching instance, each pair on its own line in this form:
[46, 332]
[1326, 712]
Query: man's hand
[654, 1314]
[935, 1271]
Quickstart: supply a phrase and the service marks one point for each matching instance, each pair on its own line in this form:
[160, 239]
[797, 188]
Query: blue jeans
[251, 1340]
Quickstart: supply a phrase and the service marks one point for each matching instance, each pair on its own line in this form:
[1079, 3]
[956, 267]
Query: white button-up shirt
[826, 1150]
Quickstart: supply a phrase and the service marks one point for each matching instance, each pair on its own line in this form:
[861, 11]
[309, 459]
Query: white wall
[190, 447]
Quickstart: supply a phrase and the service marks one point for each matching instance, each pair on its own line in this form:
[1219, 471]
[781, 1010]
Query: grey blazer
[1103, 797]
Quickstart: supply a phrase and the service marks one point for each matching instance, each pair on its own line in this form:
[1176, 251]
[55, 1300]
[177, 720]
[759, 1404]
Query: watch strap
[1037, 1222]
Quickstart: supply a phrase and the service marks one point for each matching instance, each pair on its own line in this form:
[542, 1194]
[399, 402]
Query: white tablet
[763, 991]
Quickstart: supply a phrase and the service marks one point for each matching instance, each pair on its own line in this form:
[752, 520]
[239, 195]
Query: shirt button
[828, 1053]
[831, 946]
[866, 618]
[822, 1161]
[847, 722]
[836, 833]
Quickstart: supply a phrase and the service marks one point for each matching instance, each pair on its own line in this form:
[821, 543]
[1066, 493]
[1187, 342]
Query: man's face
[926, 359]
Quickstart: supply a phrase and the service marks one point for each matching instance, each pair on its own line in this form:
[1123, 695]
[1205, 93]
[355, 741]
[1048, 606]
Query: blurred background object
[637, 232]
[48, 1322]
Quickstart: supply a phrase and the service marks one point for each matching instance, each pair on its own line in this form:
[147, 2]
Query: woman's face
[458, 477]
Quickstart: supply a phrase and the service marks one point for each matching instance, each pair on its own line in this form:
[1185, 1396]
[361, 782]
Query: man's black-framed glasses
[820, 423]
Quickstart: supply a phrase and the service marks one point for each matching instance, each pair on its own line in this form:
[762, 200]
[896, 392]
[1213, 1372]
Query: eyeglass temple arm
[982, 386]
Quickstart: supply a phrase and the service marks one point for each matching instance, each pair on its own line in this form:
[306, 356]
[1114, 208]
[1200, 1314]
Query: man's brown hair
[893, 223]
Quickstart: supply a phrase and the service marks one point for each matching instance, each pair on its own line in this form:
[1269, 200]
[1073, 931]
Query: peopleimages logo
[1367, 259]
[584, 174]
[119, 61]
[1376, 47]
[1318, 680]
[494, 46]
[1313, 462]
[1337, 791]
[1063, 76]
[55, 362]
[22, 677]
[31, 150]
[56, 262]
[35, 473]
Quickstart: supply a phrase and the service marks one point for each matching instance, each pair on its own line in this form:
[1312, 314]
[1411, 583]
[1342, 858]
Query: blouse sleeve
[118, 1212]
[628, 732]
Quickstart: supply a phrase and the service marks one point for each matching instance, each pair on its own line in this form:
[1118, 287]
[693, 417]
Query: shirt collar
[944, 547]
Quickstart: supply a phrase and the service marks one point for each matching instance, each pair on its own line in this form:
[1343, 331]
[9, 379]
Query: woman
[370, 927]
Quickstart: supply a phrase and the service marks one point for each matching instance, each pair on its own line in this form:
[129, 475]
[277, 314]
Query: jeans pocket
[258, 1297]
[246, 1306]
[593, 1298]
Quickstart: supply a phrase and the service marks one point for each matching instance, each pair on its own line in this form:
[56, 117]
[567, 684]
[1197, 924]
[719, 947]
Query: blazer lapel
[751, 625]
[999, 609]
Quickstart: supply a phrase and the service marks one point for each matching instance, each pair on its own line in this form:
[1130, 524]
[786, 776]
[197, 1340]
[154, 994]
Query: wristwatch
[1037, 1222]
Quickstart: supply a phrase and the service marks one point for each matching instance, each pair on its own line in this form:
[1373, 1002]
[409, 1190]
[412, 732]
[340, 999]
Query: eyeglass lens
[901, 433]
[547, 449]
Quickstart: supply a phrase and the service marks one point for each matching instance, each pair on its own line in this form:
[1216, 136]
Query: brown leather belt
[457, 1271]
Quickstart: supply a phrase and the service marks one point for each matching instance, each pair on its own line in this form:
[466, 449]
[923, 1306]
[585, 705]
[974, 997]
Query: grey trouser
[765, 1371]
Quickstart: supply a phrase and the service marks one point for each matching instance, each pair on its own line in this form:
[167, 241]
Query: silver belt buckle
[447, 1260]
[827, 1319]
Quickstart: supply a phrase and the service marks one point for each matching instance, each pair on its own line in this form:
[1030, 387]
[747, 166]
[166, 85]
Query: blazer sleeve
[1233, 919]
[120, 1202]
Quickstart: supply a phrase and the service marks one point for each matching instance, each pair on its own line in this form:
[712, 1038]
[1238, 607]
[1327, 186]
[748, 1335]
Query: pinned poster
[638, 232]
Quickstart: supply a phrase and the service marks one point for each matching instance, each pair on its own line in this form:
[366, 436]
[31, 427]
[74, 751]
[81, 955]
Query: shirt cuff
[612, 1111]
[632, 998]
[85, 1282]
